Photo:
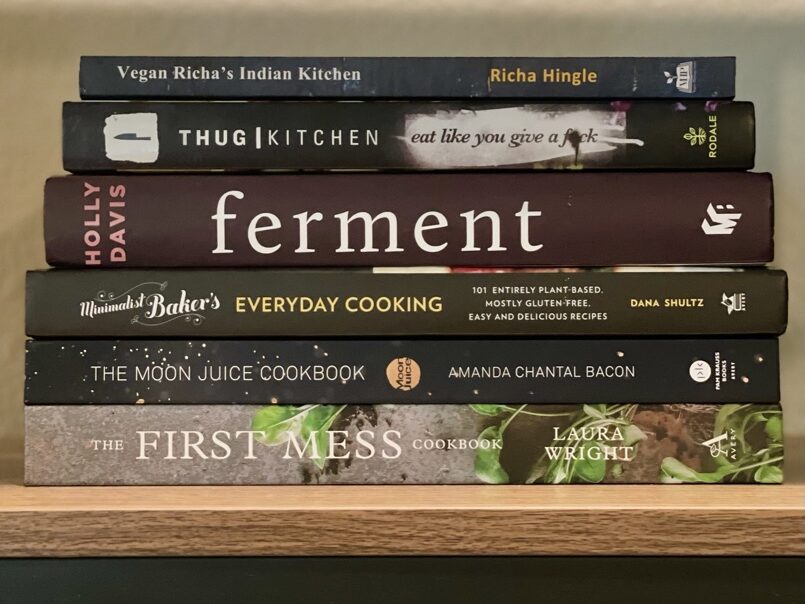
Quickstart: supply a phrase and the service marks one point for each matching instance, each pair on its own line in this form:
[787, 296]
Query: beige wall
[40, 43]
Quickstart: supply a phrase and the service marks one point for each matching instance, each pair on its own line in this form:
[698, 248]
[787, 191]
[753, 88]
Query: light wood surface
[449, 520]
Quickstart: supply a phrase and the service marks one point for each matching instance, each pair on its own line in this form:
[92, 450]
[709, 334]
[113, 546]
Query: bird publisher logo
[734, 303]
[721, 219]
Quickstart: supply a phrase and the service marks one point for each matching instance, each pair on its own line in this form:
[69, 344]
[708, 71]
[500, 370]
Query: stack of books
[428, 271]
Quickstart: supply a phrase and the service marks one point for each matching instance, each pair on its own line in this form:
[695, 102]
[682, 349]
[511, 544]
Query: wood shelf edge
[388, 532]
[415, 520]
[17, 498]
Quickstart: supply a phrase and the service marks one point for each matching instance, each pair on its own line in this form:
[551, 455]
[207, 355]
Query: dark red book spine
[515, 219]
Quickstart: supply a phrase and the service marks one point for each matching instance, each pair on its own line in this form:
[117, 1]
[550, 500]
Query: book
[383, 135]
[417, 371]
[453, 219]
[256, 303]
[105, 77]
[402, 444]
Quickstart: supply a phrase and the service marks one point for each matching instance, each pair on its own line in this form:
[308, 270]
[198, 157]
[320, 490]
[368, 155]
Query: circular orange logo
[403, 373]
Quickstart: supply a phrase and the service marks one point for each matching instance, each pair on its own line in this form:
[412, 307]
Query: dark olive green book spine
[323, 135]
[257, 303]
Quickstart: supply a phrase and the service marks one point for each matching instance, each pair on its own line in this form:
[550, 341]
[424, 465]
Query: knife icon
[131, 136]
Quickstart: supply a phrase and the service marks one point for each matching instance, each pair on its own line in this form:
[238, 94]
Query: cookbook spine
[409, 371]
[325, 303]
[523, 219]
[110, 77]
[403, 444]
[322, 135]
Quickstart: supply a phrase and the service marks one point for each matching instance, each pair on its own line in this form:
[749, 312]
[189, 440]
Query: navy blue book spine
[104, 77]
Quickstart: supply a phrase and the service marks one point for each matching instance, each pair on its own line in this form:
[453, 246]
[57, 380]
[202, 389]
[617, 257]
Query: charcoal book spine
[105, 77]
[384, 135]
[403, 444]
[409, 371]
[451, 219]
[135, 303]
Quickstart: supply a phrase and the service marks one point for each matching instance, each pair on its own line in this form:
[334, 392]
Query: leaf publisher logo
[695, 136]
[684, 77]
[403, 373]
[720, 222]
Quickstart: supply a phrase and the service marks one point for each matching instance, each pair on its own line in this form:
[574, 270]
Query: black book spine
[411, 371]
[323, 135]
[403, 444]
[104, 77]
[320, 303]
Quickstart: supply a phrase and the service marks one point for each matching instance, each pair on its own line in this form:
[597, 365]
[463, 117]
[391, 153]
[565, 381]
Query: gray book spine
[402, 444]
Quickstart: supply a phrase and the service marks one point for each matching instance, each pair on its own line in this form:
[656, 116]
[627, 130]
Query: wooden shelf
[448, 520]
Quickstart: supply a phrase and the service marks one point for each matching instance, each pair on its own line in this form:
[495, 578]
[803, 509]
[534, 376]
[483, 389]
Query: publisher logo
[683, 78]
[132, 137]
[695, 136]
[700, 371]
[720, 219]
[734, 303]
[403, 373]
[723, 445]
